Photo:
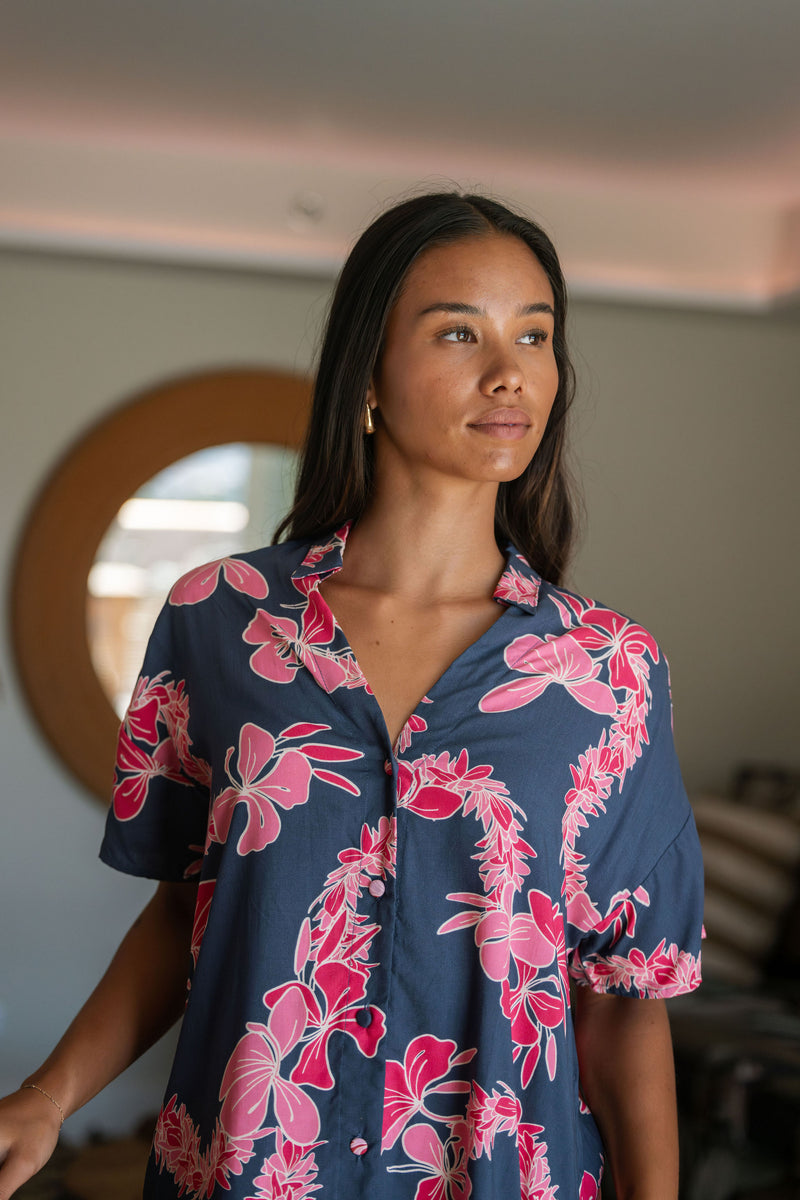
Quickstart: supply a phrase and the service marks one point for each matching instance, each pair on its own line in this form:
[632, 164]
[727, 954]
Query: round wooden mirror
[71, 515]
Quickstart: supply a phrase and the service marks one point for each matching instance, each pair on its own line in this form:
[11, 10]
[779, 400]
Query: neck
[427, 541]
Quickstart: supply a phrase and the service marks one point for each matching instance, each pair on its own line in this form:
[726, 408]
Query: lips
[503, 422]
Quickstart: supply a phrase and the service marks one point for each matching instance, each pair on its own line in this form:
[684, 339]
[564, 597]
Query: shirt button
[377, 888]
[364, 1018]
[387, 766]
[359, 1146]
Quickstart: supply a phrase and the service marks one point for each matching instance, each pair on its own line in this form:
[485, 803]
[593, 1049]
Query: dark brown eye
[534, 337]
[461, 333]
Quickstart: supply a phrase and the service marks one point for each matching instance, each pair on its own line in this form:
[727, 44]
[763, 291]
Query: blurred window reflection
[217, 502]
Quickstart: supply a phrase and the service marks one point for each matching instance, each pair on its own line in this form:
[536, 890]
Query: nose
[502, 372]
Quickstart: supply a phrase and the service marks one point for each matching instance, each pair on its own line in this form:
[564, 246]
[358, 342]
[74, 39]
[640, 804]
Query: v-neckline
[426, 697]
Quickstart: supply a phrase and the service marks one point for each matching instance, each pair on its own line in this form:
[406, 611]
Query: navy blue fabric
[379, 1000]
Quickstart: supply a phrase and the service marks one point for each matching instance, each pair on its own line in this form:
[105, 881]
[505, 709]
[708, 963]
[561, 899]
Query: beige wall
[689, 434]
[687, 442]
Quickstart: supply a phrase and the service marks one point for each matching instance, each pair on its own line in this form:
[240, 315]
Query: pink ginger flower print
[666, 972]
[335, 542]
[202, 582]
[174, 712]
[265, 780]
[374, 856]
[427, 1062]
[413, 725]
[252, 1076]
[560, 660]
[176, 1145]
[514, 587]
[224, 1157]
[436, 788]
[289, 1173]
[443, 1164]
[534, 1171]
[158, 705]
[489, 1115]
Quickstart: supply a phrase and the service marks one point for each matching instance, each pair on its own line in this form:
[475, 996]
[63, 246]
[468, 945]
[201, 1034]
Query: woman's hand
[628, 1081]
[29, 1128]
[140, 996]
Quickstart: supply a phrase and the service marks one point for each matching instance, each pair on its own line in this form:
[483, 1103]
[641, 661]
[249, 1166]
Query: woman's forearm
[628, 1081]
[140, 996]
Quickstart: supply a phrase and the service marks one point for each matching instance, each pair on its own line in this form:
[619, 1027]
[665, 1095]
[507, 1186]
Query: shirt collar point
[519, 584]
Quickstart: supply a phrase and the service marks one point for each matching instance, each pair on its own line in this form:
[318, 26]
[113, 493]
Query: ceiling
[658, 142]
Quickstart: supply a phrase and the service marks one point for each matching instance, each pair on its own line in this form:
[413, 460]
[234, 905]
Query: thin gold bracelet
[52, 1099]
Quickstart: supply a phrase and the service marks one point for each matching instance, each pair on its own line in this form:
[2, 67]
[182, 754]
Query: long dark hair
[334, 483]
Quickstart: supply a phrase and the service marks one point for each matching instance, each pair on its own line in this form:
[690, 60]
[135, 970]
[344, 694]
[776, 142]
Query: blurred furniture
[737, 1040]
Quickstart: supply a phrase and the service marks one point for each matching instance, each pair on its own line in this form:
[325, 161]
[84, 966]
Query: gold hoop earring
[369, 424]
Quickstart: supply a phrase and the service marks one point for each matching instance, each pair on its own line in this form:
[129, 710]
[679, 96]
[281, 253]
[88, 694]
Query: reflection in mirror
[220, 501]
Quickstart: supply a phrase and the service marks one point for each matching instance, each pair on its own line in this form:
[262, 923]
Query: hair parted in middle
[534, 511]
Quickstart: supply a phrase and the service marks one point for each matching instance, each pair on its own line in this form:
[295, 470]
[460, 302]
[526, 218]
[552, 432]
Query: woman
[419, 786]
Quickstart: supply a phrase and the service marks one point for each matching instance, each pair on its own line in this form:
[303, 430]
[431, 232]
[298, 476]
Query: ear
[372, 399]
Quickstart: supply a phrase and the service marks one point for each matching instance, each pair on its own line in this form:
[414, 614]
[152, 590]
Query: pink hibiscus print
[252, 1076]
[137, 768]
[202, 911]
[442, 1163]
[533, 1010]
[426, 1063]
[550, 660]
[265, 780]
[627, 642]
[530, 937]
[284, 644]
[144, 710]
[590, 1187]
[342, 992]
[202, 582]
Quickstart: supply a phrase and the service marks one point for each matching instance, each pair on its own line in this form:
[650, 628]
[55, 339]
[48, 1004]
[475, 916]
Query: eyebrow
[470, 310]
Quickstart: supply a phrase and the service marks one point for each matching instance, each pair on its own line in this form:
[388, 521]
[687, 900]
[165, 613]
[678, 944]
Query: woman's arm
[628, 1081]
[140, 996]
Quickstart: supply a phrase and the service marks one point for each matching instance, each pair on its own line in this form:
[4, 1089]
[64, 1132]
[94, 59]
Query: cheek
[422, 396]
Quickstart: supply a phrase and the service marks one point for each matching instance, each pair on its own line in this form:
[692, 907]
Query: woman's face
[467, 376]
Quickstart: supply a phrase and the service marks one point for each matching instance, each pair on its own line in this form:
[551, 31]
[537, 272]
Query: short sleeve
[159, 806]
[641, 907]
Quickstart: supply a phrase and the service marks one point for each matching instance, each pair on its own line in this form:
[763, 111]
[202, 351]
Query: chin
[504, 472]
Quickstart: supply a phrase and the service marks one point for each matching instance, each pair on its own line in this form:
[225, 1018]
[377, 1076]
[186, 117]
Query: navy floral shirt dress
[385, 935]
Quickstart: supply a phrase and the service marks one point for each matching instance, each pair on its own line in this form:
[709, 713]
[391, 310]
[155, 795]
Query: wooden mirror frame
[71, 515]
